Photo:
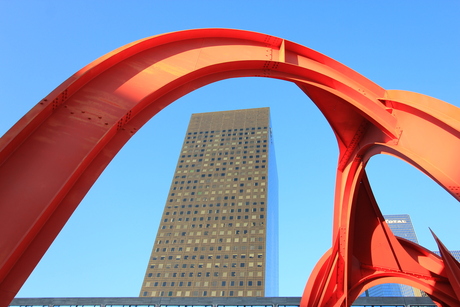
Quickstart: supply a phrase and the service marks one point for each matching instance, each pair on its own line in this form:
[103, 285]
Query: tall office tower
[218, 234]
[401, 226]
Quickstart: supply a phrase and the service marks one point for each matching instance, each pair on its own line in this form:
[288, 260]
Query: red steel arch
[58, 149]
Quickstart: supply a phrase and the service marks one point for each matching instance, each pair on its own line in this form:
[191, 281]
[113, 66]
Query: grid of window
[211, 239]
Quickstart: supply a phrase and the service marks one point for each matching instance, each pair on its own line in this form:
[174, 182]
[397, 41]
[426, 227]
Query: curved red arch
[61, 146]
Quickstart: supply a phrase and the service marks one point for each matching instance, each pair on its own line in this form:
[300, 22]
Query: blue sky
[104, 248]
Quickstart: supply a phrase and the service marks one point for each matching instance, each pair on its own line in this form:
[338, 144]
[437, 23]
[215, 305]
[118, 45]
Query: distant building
[218, 235]
[401, 226]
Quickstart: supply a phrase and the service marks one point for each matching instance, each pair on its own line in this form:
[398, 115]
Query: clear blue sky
[104, 248]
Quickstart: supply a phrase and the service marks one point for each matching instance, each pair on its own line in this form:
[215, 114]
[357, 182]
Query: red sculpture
[58, 149]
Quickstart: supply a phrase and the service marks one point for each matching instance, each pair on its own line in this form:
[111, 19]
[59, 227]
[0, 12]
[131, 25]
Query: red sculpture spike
[451, 266]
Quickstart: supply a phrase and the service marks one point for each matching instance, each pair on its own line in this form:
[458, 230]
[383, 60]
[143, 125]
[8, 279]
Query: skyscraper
[218, 234]
[401, 226]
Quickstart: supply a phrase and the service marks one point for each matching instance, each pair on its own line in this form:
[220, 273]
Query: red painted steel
[59, 148]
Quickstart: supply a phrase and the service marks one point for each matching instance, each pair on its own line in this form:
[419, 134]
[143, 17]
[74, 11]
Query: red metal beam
[58, 150]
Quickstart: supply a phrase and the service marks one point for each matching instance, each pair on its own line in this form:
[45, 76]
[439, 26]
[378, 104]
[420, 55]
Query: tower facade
[218, 234]
[401, 226]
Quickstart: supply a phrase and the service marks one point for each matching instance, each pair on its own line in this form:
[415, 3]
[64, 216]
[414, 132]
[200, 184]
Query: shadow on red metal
[60, 147]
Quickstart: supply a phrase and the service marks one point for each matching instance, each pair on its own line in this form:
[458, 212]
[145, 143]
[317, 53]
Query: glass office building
[401, 226]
